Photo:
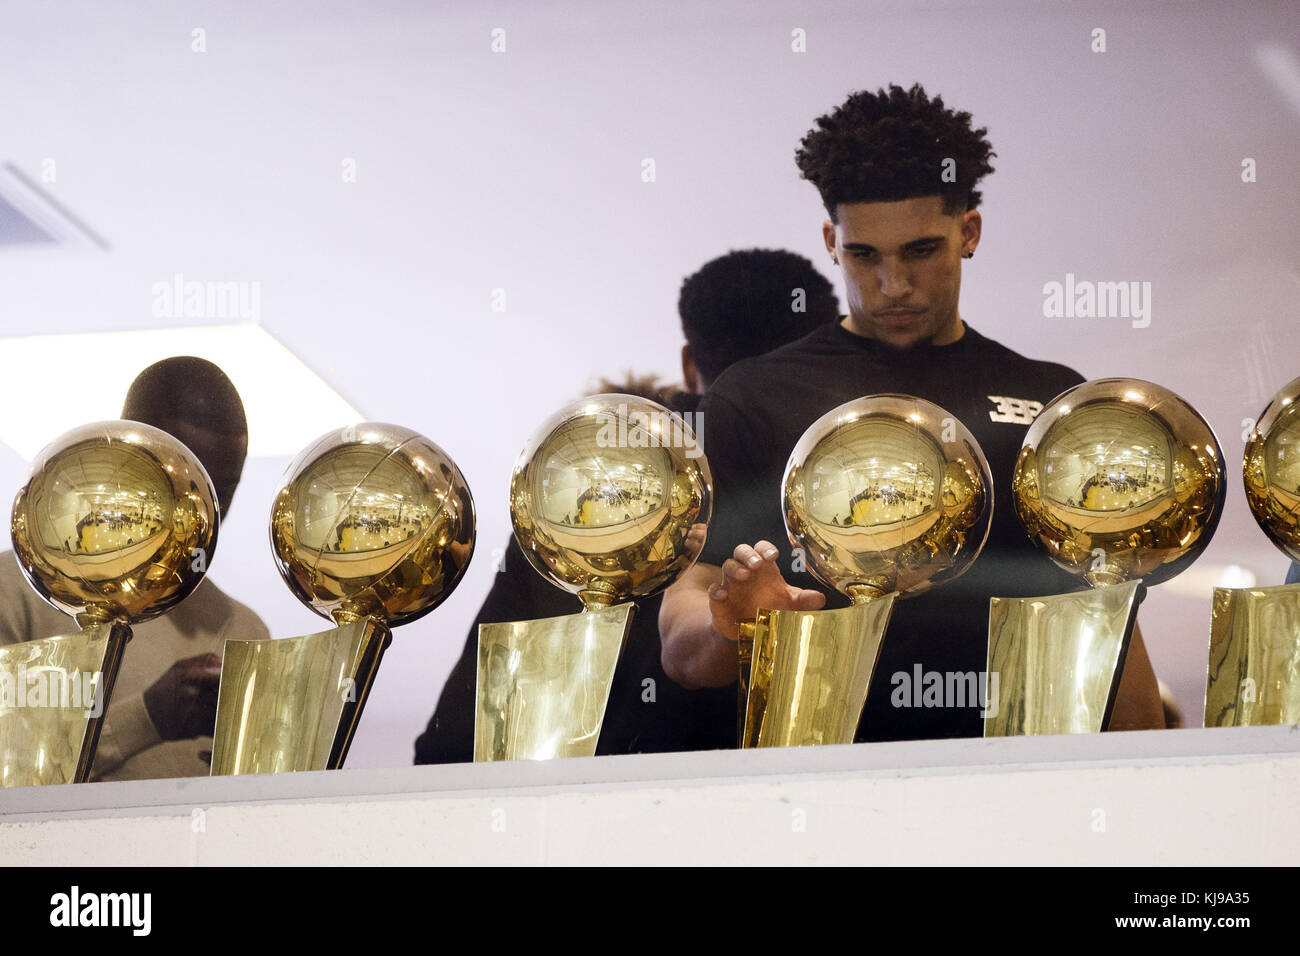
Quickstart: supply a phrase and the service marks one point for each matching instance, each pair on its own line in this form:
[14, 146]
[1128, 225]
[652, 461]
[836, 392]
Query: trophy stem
[745, 658]
[294, 704]
[373, 644]
[1254, 664]
[597, 595]
[118, 637]
[810, 673]
[1054, 662]
[543, 685]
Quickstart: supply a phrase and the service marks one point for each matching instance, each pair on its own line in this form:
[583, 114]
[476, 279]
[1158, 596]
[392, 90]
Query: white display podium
[1186, 797]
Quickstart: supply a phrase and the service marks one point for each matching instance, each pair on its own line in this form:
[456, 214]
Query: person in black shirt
[897, 174]
[738, 305]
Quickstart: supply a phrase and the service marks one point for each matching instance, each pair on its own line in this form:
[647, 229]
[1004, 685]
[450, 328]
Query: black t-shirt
[759, 408]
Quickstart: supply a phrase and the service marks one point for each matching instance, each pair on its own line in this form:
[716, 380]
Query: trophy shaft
[1056, 661]
[543, 685]
[53, 694]
[294, 704]
[810, 673]
[1254, 672]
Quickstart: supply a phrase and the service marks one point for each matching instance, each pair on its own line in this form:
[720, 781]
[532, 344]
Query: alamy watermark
[51, 687]
[624, 428]
[1074, 299]
[922, 688]
[130, 910]
[191, 299]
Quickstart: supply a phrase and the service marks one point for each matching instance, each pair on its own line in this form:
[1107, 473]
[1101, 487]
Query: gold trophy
[1254, 672]
[1122, 483]
[883, 496]
[610, 500]
[372, 528]
[116, 524]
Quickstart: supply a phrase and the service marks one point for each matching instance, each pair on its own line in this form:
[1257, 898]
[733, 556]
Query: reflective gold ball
[372, 520]
[887, 493]
[117, 522]
[611, 498]
[1120, 479]
[1271, 470]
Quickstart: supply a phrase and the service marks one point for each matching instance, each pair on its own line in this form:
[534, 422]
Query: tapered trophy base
[1254, 672]
[543, 685]
[1054, 662]
[294, 704]
[809, 674]
[53, 695]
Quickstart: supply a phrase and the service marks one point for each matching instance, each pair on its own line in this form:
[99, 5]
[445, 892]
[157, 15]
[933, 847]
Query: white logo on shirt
[1018, 411]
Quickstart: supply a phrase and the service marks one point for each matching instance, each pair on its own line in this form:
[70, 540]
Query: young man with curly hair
[897, 173]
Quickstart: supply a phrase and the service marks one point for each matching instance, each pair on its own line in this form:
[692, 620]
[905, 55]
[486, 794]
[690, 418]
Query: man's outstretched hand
[183, 702]
[750, 580]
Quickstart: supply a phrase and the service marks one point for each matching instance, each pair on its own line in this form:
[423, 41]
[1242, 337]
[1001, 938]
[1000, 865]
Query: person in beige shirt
[160, 718]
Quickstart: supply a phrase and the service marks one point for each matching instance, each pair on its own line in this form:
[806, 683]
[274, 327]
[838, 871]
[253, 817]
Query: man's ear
[828, 237]
[972, 224]
[690, 372]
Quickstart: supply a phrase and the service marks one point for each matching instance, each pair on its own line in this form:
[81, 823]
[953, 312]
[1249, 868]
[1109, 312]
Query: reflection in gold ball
[1271, 469]
[372, 520]
[887, 493]
[611, 498]
[117, 522]
[1120, 479]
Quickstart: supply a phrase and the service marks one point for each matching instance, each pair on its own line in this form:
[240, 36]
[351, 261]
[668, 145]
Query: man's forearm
[693, 653]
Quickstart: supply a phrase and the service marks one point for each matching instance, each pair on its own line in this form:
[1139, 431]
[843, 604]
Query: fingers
[807, 600]
[754, 557]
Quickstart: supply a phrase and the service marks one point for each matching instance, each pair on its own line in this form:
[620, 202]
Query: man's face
[902, 268]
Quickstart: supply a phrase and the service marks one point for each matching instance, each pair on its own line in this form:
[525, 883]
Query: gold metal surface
[543, 685]
[117, 522]
[375, 520]
[610, 500]
[53, 694]
[889, 493]
[1254, 673]
[294, 704]
[1058, 660]
[1271, 470]
[1254, 667]
[115, 525]
[886, 496]
[1121, 482]
[373, 527]
[1120, 479]
[811, 672]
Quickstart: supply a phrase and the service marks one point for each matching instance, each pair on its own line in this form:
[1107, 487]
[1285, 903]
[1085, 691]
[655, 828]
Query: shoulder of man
[238, 621]
[1040, 369]
[24, 614]
[752, 375]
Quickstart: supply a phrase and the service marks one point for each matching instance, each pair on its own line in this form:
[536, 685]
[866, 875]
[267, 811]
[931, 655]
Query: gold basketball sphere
[372, 520]
[1271, 470]
[610, 499]
[887, 493]
[116, 522]
[1120, 479]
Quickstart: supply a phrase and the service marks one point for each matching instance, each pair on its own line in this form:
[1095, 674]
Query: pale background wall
[521, 171]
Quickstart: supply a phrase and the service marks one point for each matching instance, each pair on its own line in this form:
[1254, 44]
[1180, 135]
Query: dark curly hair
[890, 146]
[743, 304]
